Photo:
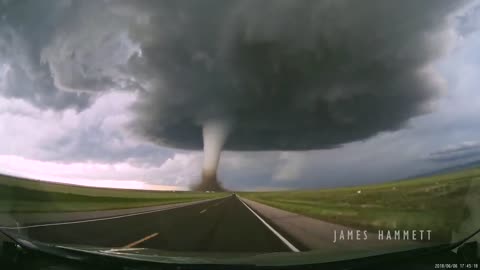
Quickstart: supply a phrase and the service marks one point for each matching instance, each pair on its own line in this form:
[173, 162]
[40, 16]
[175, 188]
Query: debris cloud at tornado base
[288, 75]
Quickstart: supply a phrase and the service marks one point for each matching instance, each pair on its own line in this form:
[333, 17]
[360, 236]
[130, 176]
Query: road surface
[20, 219]
[221, 225]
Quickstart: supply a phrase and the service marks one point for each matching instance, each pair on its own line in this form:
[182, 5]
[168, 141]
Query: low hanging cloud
[281, 75]
[462, 151]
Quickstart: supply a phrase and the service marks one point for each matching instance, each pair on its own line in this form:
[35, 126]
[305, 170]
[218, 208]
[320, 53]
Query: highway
[221, 225]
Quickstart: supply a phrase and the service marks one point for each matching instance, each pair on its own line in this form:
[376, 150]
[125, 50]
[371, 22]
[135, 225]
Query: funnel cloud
[288, 75]
[214, 136]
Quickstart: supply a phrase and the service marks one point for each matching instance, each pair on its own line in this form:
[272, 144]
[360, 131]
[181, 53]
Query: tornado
[214, 136]
[287, 75]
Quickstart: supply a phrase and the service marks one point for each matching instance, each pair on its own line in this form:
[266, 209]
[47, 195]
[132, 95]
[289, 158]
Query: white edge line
[285, 241]
[105, 218]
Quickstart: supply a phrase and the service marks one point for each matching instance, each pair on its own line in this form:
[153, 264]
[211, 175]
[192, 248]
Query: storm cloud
[25, 29]
[287, 75]
[237, 75]
[60, 54]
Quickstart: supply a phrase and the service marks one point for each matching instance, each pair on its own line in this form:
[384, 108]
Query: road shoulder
[316, 234]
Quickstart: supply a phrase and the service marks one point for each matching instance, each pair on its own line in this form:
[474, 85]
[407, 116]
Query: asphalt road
[223, 225]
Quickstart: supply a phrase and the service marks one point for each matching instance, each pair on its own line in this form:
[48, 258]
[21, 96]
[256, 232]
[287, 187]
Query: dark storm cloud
[26, 26]
[287, 75]
[284, 75]
[51, 53]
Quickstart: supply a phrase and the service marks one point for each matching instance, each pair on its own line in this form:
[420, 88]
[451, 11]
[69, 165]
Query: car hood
[259, 259]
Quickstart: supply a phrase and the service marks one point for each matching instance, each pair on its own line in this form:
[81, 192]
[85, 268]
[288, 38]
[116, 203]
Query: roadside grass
[22, 195]
[437, 203]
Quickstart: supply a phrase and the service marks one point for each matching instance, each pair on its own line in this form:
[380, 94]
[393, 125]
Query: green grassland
[437, 203]
[22, 195]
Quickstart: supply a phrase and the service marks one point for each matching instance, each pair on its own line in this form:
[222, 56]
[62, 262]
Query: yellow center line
[141, 240]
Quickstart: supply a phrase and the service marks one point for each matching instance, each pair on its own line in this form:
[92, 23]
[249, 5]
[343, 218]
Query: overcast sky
[112, 94]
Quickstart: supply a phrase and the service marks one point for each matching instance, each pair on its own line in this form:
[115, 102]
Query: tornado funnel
[214, 135]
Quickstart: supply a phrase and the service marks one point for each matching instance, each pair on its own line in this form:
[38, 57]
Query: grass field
[22, 195]
[436, 203]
